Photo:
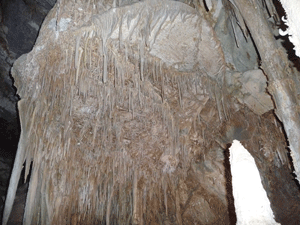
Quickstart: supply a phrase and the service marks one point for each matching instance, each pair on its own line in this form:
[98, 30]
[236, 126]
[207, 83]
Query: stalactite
[109, 126]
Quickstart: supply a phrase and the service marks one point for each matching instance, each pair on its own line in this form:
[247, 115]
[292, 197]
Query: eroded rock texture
[126, 111]
[20, 21]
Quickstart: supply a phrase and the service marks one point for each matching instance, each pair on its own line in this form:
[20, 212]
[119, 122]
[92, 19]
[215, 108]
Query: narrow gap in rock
[229, 194]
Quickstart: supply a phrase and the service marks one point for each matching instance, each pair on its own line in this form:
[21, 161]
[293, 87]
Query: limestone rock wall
[125, 116]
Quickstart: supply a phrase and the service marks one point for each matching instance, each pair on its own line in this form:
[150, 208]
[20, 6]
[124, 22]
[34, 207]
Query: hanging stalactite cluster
[124, 116]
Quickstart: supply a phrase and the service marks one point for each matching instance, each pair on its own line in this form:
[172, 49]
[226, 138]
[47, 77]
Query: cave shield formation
[127, 109]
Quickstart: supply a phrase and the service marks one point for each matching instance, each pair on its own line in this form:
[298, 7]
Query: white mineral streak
[63, 24]
[251, 203]
[292, 9]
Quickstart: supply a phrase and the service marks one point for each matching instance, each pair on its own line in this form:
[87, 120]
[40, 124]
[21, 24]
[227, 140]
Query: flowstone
[125, 115]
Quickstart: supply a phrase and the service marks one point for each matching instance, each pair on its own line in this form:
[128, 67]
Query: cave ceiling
[127, 110]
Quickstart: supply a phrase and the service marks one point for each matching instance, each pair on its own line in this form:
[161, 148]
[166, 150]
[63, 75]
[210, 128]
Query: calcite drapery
[119, 94]
[126, 121]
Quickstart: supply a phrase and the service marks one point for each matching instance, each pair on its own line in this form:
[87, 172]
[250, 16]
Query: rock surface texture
[127, 108]
[20, 21]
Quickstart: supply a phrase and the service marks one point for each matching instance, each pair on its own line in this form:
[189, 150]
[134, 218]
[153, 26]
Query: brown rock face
[126, 117]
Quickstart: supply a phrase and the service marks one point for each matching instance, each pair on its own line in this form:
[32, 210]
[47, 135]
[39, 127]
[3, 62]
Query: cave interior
[123, 111]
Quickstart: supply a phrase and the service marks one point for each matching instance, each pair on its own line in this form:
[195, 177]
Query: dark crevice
[229, 193]
[205, 6]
